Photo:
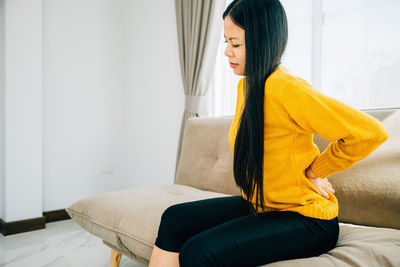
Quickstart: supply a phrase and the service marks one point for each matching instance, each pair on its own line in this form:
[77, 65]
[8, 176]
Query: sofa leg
[115, 258]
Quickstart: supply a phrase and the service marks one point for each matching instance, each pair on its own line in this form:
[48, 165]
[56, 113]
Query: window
[348, 50]
[361, 52]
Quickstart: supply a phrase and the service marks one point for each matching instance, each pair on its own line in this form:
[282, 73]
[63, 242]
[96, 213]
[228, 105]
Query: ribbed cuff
[320, 166]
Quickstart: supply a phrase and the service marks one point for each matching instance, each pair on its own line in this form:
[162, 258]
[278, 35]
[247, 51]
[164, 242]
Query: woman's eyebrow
[231, 37]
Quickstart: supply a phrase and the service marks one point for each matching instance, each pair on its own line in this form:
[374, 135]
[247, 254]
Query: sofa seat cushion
[129, 219]
[357, 246]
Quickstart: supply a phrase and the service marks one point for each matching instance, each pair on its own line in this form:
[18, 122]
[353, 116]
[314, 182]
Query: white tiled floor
[61, 244]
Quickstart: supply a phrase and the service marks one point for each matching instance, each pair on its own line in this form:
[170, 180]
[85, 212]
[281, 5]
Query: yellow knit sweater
[293, 112]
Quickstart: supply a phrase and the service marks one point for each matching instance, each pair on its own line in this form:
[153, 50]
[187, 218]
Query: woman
[287, 208]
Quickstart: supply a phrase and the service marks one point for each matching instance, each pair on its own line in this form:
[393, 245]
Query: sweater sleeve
[353, 134]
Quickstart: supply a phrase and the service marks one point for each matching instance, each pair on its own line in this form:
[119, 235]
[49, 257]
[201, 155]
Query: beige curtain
[199, 24]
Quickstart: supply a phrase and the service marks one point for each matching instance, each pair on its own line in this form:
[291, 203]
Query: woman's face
[235, 49]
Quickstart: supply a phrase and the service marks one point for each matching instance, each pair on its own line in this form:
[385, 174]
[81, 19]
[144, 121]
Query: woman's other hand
[319, 183]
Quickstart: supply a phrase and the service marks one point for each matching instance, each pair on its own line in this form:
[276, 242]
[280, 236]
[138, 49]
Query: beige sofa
[369, 197]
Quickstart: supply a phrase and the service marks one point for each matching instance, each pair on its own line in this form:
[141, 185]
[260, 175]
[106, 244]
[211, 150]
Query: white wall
[84, 98]
[112, 97]
[21, 110]
[154, 92]
[2, 85]
[2, 88]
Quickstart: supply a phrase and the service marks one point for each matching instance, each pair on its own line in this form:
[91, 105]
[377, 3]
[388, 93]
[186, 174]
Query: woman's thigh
[254, 241]
[181, 221]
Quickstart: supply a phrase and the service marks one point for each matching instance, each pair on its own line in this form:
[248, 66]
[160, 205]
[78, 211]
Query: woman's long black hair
[266, 34]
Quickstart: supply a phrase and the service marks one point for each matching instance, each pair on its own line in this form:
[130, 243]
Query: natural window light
[349, 50]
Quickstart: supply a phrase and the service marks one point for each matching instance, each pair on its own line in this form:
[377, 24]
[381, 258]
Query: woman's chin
[237, 72]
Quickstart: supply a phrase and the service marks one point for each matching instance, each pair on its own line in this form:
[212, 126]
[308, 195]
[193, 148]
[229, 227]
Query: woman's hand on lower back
[320, 184]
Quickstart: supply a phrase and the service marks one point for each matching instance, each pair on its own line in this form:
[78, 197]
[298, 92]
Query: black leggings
[222, 232]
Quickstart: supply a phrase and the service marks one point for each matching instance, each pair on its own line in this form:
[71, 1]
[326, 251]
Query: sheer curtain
[198, 33]
[222, 95]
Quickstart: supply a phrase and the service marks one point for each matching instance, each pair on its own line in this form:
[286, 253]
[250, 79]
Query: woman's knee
[169, 235]
[172, 219]
[172, 212]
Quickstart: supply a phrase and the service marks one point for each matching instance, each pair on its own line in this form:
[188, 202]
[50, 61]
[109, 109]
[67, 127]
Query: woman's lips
[233, 65]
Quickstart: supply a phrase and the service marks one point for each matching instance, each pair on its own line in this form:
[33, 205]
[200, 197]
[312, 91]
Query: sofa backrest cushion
[368, 192]
[206, 160]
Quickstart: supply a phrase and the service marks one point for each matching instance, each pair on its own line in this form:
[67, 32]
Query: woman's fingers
[326, 181]
[330, 188]
[322, 185]
[328, 185]
[323, 192]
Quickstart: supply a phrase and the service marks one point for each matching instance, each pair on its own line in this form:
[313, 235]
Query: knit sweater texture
[293, 112]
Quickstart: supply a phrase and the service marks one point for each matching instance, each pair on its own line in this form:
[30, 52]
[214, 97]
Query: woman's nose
[228, 52]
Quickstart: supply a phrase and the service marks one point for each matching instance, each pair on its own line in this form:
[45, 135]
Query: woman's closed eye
[232, 45]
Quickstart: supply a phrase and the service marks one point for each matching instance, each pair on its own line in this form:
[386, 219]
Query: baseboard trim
[56, 215]
[27, 225]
